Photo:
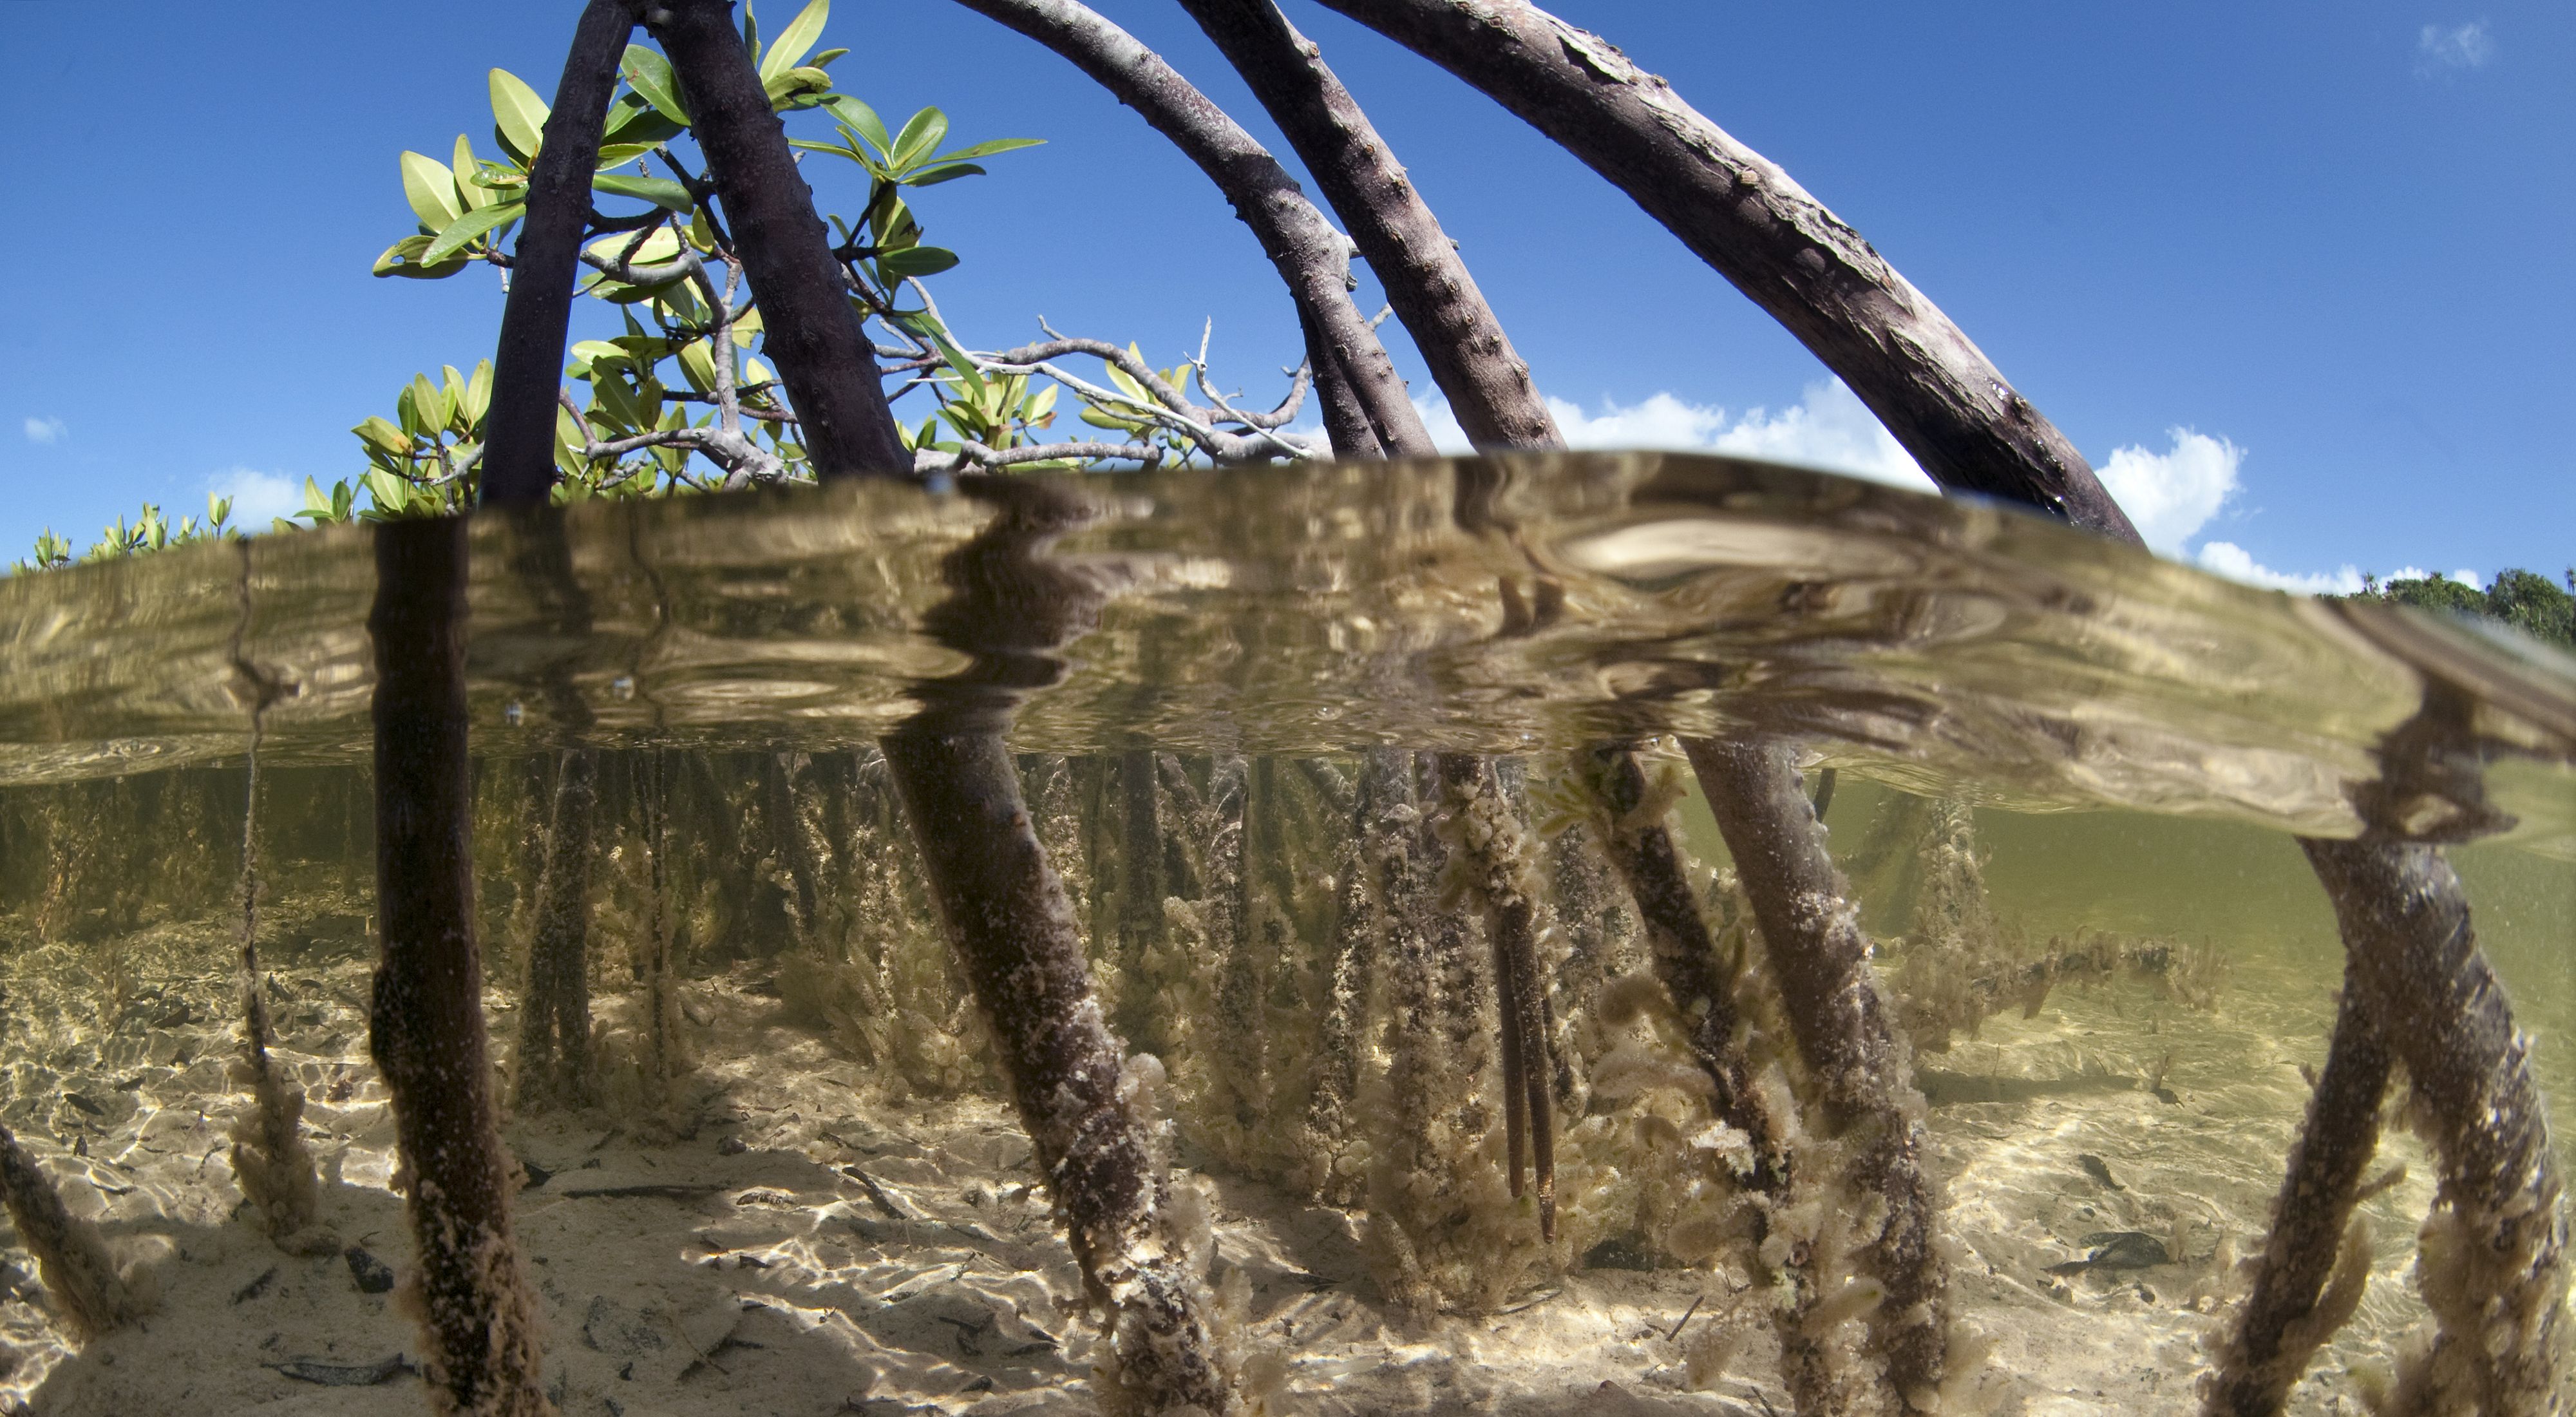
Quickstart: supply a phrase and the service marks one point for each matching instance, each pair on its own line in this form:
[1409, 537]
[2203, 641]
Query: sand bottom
[786, 1242]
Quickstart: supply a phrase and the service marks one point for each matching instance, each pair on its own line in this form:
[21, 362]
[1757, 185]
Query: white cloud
[1830, 429]
[2226, 558]
[2171, 495]
[257, 496]
[47, 431]
[2449, 49]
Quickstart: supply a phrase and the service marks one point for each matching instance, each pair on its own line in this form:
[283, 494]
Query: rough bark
[1739, 212]
[527, 368]
[814, 334]
[2292, 1308]
[1811, 935]
[1354, 380]
[478, 1319]
[70, 1257]
[1469, 356]
[1088, 1112]
[2492, 1258]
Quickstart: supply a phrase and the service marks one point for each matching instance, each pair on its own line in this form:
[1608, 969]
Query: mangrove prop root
[2492, 1257]
[1013, 930]
[270, 1161]
[70, 1256]
[554, 1035]
[478, 1318]
[1356, 924]
[1140, 896]
[1640, 847]
[2284, 1320]
[1488, 836]
[1811, 934]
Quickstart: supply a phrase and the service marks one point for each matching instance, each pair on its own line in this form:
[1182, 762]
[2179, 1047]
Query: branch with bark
[1470, 357]
[1366, 409]
[1742, 214]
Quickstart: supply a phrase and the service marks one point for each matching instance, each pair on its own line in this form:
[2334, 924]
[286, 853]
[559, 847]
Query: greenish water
[2040, 744]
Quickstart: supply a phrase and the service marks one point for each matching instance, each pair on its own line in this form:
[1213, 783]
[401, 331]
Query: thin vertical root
[1494, 867]
[270, 1160]
[2293, 1306]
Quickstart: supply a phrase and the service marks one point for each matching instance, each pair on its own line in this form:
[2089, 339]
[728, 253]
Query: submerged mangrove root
[663, 1060]
[1491, 861]
[2491, 1260]
[270, 1160]
[1087, 1112]
[70, 1257]
[478, 1318]
[2317, 1258]
[1820, 960]
[555, 1056]
[1638, 840]
[1330, 1174]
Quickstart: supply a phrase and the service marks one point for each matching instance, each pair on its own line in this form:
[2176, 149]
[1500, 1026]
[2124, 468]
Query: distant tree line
[2526, 600]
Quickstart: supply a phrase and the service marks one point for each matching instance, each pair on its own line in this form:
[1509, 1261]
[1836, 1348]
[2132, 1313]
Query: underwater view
[1309, 933]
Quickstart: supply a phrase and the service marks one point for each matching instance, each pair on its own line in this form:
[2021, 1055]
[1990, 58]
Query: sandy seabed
[794, 1244]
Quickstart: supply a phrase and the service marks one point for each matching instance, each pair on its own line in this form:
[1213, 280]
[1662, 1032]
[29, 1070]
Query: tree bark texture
[1469, 355]
[2288, 1312]
[478, 1319]
[814, 334]
[1088, 1113]
[1015, 937]
[527, 368]
[2492, 1258]
[1312, 258]
[1739, 212]
[1811, 934]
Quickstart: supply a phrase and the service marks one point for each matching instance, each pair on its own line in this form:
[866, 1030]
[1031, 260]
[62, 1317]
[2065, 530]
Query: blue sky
[2298, 275]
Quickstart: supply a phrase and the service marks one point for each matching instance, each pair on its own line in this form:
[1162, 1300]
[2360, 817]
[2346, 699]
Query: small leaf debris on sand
[306, 1370]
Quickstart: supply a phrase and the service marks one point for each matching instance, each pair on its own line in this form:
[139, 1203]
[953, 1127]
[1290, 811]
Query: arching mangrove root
[2302, 1291]
[1085, 1110]
[70, 1257]
[478, 1318]
[1493, 865]
[2492, 1257]
[1811, 935]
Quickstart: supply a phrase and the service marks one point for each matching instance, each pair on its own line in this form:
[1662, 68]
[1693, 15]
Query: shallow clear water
[815, 1197]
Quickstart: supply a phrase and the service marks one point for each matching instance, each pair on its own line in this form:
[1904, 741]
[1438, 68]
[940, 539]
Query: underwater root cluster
[1446, 993]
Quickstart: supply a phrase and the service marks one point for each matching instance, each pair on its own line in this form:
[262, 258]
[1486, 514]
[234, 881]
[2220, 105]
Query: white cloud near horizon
[258, 497]
[2173, 496]
[1829, 428]
[2450, 49]
[46, 431]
